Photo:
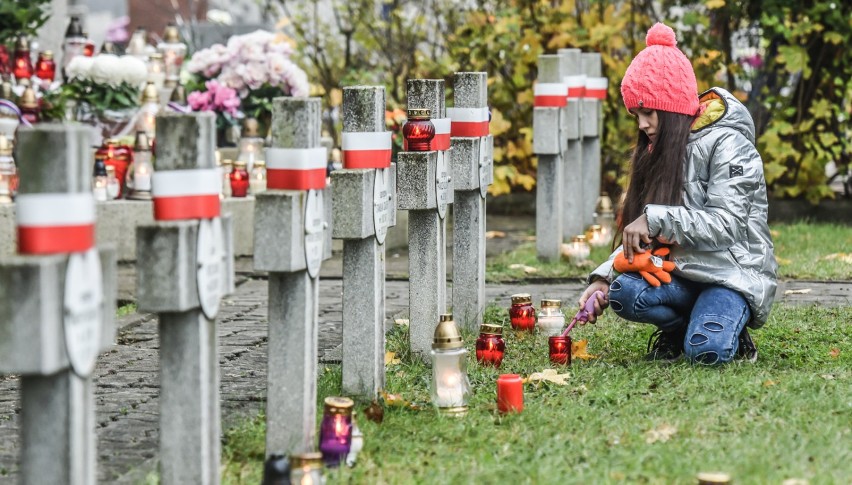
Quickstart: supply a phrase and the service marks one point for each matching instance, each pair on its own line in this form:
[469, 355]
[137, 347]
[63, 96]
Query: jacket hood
[732, 114]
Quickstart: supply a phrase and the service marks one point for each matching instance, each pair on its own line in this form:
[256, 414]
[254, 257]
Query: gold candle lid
[171, 35]
[178, 94]
[6, 90]
[240, 163]
[447, 335]
[251, 128]
[521, 298]
[150, 94]
[5, 145]
[28, 98]
[47, 55]
[22, 44]
[338, 405]
[227, 162]
[551, 303]
[155, 56]
[604, 204]
[491, 329]
[581, 238]
[311, 459]
[419, 113]
[142, 144]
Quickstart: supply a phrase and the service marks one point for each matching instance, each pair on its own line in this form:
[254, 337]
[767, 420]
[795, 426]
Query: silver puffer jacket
[720, 234]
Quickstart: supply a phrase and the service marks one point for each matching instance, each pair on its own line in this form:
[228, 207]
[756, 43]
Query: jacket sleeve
[604, 271]
[736, 170]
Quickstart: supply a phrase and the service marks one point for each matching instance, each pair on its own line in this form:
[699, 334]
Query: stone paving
[127, 376]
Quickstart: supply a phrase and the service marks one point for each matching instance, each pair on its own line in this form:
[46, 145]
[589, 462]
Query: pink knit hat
[661, 77]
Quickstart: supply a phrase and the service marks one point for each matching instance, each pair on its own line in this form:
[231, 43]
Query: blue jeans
[711, 317]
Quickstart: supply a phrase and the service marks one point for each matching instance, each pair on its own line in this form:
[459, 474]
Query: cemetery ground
[616, 418]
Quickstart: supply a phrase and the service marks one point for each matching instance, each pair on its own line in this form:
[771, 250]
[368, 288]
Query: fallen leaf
[828, 377]
[527, 269]
[550, 375]
[579, 351]
[774, 233]
[662, 434]
[834, 353]
[494, 234]
[375, 412]
[846, 258]
[803, 291]
[391, 359]
[401, 321]
[769, 383]
[795, 481]
[784, 261]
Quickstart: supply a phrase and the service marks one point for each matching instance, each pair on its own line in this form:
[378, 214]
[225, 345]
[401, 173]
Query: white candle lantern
[156, 70]
[257, 177]
[173, 51]
[605, 218]
[147, 120]
[251, 143]
[450, 385]
[578, 250]
[139, 174]
[551, 320]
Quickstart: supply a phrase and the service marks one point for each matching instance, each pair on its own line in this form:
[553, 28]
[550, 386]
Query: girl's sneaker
[747, 350]
[665, 346]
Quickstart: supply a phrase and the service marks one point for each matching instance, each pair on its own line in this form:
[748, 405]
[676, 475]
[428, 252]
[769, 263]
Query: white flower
[79, 67]
[133, 70]
[106, 69]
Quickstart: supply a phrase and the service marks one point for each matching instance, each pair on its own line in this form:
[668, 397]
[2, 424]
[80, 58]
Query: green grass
[125, 309]
[787, 416]
[801, 249]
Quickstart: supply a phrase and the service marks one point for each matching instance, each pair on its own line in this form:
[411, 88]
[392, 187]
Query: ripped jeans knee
[712, 336]
[709, 343]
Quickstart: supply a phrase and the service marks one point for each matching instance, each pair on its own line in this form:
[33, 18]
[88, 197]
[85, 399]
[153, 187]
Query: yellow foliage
[715, 4]
[499, 124]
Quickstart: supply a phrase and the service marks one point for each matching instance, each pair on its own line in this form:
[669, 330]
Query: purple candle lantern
[336, 430]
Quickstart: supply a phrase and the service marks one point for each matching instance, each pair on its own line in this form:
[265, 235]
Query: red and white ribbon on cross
[443, 127]
[468, 122]
[550, 95]
[596, 87]
[186, 194]
[296, 168]
[576, 85]
[55, 223]
[366, 149]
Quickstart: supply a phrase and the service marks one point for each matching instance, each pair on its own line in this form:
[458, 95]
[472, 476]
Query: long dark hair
[656, 172]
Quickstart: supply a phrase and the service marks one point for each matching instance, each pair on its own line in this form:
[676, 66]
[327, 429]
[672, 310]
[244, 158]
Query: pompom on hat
[661, 77]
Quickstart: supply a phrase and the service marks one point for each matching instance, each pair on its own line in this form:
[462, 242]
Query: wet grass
[618, 419]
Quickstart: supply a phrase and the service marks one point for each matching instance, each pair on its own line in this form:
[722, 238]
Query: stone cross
[289, 222]
[573, 205]
[473, 172]
[364, 207]
[592, 117]
[425, 188]
[57, 305]
[549, 113]
[184, 268]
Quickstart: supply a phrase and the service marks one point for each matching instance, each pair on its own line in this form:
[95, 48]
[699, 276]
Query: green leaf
[795, 58]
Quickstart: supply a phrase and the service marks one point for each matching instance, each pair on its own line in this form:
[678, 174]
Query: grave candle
[490, 345]
[74, 42]
[139, 177]
[560, 349]
[450, 386]
[148, 112]
[23, 64]
[138, 43]
[46, 67]
[418, 130]
[112, 184]
[99, 179]
[257, 181]
[156, 70]
[173, 51]
[239, 179]
[227, 168]
[510, 393]
[578, 250]
[595, 236]
[550, 318]
[605, 217]
[336, 430]
[306, 469]
[251, 143]
[29, 105]
[522, 312]
[8, 171]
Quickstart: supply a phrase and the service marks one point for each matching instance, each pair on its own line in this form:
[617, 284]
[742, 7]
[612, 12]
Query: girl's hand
[600, 302]
[635, 234]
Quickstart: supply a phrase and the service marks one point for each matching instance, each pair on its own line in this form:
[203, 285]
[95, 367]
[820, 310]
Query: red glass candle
[336, 430]
[510, 393]
[418, 130]
[22, 66]
[46, 66]
[490, 345]
[117, 156]
[89, 47]
[4, 60]
[239, 180]
[560, 349]
[522, 312]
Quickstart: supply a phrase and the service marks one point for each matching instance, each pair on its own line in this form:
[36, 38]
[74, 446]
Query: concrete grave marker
[595, 91]
[364, 208]
[572, 185]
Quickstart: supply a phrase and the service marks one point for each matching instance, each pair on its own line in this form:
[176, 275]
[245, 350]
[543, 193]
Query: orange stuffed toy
[649, 264]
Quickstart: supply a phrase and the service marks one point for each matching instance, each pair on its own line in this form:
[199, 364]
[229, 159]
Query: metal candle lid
[47, 55]
[142, 144]
[550, 303]
[75, 28]
[150, 94]
[251, 128]
[419, 113]
[311, 460]
[28, 98]
[604, 204]
[240, 163]
[5, 145]
[338, 405]
[447, 335]
[171, 34]
[491, 329]
[108, 48]
[22, 44]
[579, 238]
[521, 299]
[178, 94]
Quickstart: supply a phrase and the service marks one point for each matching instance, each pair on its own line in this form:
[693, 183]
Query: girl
[696, 194]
